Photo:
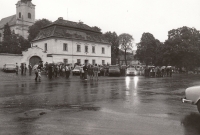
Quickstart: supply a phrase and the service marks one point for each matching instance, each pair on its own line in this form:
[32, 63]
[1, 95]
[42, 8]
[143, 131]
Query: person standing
[25, 68]
[36, 74]
[30, 68]
[22, 68]
[96, 70]
[17, 69]
[50, 71]
[39, 74]
[85, 69]
[90, 71]
[167, 70]
[67, 71]
[81, 72]
[170, 72]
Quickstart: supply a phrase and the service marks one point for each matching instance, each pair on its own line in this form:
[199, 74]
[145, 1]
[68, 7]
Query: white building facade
[71, 42]
[74, 51]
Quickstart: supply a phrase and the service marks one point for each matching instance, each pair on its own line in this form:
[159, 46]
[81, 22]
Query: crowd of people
[90, 70]
[24, 68]
[158, 71]
[52, 70]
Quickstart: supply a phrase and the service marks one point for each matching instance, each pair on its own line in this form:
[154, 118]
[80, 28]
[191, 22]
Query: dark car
[114, 70]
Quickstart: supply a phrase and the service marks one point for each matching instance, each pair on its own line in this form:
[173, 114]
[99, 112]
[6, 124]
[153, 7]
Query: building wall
[9, 58]
[55, 47]
[73, 59]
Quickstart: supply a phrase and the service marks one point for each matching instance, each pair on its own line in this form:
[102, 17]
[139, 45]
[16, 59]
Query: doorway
[34, 60]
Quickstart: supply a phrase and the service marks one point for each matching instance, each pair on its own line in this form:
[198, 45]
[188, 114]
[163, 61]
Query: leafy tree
[112, 37]
[125, 42]
[35, 28]
[183, 47]
[147, 49]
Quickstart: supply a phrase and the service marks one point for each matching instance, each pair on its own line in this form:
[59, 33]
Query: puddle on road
[37, 113]
[33, 114]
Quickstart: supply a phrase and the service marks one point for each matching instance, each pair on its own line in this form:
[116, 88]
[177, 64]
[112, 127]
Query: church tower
[25, 16]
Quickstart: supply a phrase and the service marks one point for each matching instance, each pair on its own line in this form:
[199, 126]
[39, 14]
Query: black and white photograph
[99, 67]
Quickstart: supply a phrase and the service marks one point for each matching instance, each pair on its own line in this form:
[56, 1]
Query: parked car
[192, 96]
[131, 71]
[114, 70]
[9, 67]
[76, 70]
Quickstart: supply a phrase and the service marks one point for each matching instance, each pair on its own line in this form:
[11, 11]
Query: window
[103, 62]
[93, 49]
[79, 61]
[103, 50]
[20, 15]
[86, 49]
[65, 47]
[29, 15]
[65, 61]
[45, 47]
[93, 62]
[78, 48]
[0, 34]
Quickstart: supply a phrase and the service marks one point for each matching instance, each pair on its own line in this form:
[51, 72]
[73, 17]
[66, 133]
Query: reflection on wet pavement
[131, 96]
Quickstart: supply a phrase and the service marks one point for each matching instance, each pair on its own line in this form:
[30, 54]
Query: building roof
[71, 30]
[11, 20]
[76, 25]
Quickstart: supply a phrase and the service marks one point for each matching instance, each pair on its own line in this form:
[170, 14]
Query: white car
[192, 96]
[76, 70]
[9, 67]
[131, 71]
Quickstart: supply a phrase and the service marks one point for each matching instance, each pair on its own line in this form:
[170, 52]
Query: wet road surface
[112, 105]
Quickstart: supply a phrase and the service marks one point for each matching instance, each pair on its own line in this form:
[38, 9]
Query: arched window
[29, 15]
[20, 15]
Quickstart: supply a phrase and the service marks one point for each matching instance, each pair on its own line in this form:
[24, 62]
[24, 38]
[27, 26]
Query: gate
[34, 60]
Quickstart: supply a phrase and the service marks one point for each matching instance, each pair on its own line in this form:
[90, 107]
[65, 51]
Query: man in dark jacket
[22, 68]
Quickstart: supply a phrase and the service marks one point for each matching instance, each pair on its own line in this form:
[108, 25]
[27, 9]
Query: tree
[125, 42]
[35, 28]
[13, 43]
[112, 37]
[7, 37]
[183, 47]
[147, 49]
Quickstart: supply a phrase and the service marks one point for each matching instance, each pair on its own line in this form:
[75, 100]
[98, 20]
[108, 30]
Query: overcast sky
[122, 16]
